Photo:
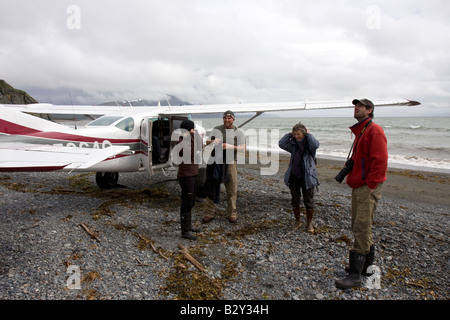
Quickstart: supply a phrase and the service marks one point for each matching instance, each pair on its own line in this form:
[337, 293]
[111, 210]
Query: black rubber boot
[186, 226]
[370, 258]
[194, 229]
[353, 279]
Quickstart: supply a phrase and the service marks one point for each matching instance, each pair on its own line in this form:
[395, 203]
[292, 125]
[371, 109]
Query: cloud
[227, 51]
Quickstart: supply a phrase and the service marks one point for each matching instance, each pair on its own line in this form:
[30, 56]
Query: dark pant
[298, 188]
[188, 190]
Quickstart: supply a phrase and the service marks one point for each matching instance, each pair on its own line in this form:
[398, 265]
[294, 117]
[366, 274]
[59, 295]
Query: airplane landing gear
[106, 180]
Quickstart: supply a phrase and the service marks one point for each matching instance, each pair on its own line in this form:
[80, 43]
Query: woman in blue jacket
[301, 175]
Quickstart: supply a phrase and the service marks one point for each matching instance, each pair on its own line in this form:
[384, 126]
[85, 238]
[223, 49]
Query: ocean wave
[420, 161]
[399, 161]
[342, 154]
[394, 161]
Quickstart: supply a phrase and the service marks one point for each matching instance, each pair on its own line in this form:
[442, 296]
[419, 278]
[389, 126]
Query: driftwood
[89, 232]
[188, 257]
[28, 228]
[410, 283]
[148, 242]
[159, 252]
[141, 264]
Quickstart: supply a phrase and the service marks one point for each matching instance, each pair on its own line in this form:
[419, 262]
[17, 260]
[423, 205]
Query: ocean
[413, 142]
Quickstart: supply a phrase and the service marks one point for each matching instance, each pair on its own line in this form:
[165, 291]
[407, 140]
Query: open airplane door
[146, 144]
[175, 123]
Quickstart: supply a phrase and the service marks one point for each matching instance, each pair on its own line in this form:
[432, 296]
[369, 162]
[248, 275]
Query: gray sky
[217, 51]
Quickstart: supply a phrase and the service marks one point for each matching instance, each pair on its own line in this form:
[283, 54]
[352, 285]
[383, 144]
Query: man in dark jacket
[301, 175]
[370, 159]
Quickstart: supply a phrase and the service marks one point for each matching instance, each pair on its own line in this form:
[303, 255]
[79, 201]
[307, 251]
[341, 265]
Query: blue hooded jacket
[289, 144]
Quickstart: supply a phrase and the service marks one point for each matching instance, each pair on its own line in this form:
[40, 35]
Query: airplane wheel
[106, 180]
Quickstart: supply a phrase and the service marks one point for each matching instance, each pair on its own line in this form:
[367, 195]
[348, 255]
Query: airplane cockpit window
[104, 121]
[126, 124]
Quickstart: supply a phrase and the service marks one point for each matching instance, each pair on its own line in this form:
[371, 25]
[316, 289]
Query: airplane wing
[47, 108]
[31, 157]
[275, 106]
[204, 109]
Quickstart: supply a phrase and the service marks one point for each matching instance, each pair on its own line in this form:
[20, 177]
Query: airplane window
[103, 121]
[126, 124]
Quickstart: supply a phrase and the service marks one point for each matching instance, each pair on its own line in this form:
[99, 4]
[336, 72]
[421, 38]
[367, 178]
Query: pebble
[40, 237]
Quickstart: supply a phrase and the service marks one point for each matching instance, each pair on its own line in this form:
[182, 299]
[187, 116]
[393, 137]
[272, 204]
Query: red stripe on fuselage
[13, 128]
[16, 129]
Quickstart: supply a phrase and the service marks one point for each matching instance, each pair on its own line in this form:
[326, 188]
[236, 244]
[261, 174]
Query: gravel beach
[133, 251]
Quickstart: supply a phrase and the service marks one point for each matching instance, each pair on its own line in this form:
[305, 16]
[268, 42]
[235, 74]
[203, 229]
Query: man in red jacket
[370, 159]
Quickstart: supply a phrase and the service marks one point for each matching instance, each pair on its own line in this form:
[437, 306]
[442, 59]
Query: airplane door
[175, 122]
[146, 145]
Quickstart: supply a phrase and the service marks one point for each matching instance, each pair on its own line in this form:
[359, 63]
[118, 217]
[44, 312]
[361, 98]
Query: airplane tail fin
[17, 122]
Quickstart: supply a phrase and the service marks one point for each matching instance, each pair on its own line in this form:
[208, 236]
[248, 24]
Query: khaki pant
[231, 189]
[364, 205]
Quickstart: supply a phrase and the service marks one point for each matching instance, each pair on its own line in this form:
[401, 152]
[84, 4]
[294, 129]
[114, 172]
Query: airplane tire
[106, 180]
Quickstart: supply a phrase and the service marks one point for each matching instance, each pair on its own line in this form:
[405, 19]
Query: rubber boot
[309, 217]
[370, 258]
[186, 226]
[353, 279]
[296, 224]
[196, 230]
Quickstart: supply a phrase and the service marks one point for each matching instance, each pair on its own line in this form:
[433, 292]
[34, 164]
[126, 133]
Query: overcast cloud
[208, 51]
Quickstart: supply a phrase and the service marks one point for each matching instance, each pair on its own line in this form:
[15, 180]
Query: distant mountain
[174, 101]
[10, 95]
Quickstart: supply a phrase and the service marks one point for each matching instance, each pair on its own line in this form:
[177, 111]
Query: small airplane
[118, 139]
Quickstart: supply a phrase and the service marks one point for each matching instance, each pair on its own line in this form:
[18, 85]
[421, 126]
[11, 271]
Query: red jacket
[370, 156]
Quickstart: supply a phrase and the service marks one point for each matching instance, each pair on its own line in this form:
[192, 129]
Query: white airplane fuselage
[135, 129]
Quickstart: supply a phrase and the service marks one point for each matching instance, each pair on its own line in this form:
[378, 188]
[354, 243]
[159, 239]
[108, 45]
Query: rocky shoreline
[46, 254]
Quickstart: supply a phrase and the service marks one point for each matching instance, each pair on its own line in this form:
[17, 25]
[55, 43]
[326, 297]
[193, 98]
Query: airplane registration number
[94, 145]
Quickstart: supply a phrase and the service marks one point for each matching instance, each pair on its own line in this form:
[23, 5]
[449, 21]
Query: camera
[345, 171]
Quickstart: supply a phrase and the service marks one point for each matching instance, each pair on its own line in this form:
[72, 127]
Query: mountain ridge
[11, 95]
